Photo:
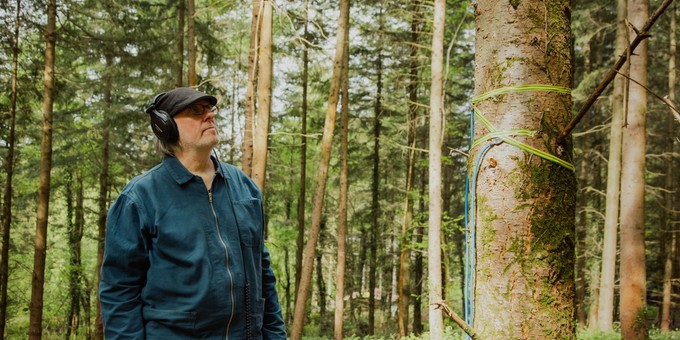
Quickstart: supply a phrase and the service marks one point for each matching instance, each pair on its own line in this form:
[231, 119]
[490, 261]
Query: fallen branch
[469, 330]
[642, 34]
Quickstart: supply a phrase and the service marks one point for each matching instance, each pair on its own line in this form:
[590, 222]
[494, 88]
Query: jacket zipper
[226, 254]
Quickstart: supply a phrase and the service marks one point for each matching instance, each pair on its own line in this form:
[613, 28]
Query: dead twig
[467, 328]
[666, 100]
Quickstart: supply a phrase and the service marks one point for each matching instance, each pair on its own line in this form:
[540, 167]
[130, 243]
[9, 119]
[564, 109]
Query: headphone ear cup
[163, 126]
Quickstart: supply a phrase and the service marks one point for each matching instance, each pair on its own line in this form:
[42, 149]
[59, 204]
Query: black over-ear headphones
[162, 124]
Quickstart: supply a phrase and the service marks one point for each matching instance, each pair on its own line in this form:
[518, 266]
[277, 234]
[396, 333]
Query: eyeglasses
[199, 109]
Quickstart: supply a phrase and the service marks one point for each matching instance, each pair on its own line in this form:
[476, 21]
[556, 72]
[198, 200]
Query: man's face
[197, 128]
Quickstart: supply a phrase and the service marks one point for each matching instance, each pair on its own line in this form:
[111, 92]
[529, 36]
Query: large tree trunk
[605, 312]
[670, 230]
[434, 261]
[342, 204]
[300, 241]
[633, 273]
[191, 41]
[179, 63]
[405, 254]
[251, 87]
[375, 197]
[38, 279]
[264, 97]
[525, 204]
[9, 166]
[322, 174]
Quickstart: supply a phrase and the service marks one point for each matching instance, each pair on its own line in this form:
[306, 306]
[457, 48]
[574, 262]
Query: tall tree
[375, 186]
[251, 88]
[434, 261]
[322, 173]
[44, 180]
[525, 203]
[342, 204]
[633, 273]
[102, 199]
[9, 166]
[605, 311]
[405, 255]
[300, 240]
[191, 41]
[264, 97]
[179, 62]
[667, 212]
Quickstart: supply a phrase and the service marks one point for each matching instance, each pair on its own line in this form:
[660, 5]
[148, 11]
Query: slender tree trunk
[525, 205]
[9, 164]
[251, 87]
[342, 204]
[264, 97]
[434, 261]
[300, 241]
[322, 174]
[405, 254]
[191, 41]
[605, 312]
[581, 245]
[418, 262]
[321, 285]
[375, 197]
[75, 271]
[38, 279]
[103, 193]
[179, 72]
[633, 273]
[670, 230]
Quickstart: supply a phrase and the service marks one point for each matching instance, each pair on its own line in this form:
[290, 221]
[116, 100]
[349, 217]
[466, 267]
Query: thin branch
[665, 100]
[612, 73]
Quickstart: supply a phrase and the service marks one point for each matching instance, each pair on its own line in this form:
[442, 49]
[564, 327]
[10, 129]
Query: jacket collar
[182, 175]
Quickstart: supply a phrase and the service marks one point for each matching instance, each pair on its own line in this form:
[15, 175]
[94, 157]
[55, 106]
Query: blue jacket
[182, 262]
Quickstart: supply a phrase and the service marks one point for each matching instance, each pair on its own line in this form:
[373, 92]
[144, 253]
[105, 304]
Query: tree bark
[179, 71]
[264, 97]
[342, 204]
[525, 205]
[670, 230]
[251, 86]
[300, 241]
[38, 278]
[434, 261]
[191, 41]
[322, 174]
[9, 166]
[605, 312]
[633, 273]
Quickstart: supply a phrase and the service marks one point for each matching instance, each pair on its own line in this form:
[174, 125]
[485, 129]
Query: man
[185, 257]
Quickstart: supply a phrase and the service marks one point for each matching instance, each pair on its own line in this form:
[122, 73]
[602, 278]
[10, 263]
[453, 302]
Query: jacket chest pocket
[249, 220]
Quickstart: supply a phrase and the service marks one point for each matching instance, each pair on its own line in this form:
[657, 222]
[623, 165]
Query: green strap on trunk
[505, 136]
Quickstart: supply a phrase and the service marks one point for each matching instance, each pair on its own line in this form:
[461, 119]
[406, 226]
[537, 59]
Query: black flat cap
[176, 100]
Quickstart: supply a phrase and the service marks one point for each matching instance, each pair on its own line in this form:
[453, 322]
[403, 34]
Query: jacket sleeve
[273, 326]
[123, 272]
